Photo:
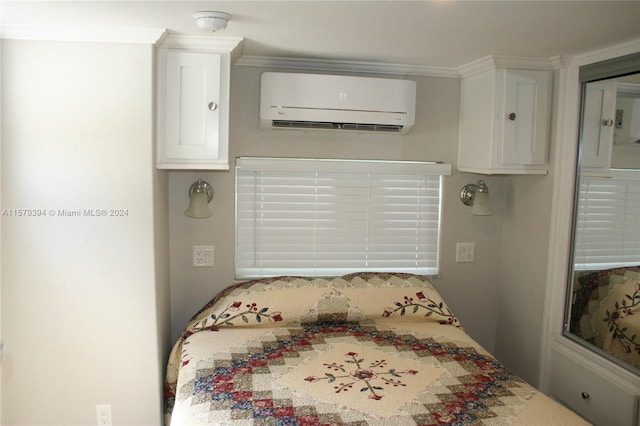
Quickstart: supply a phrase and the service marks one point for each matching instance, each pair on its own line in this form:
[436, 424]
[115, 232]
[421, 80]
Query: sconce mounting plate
[202, 186]
[468, 193]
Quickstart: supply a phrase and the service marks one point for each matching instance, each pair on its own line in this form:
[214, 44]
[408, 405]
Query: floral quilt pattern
[422, 302]
[626, 336]
[364, 350]
[604, 311]
[373, 375]
[241, 386]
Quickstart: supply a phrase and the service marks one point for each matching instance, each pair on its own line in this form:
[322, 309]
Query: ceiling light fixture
[211, 21]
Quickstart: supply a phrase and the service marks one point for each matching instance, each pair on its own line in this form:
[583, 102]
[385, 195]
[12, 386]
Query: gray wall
[469, 288]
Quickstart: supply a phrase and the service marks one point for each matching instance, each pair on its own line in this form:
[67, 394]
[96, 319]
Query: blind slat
[608, 221]
[329, 217]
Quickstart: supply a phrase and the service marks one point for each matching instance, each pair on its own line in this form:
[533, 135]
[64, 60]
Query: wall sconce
[200, 194]
[477, 196]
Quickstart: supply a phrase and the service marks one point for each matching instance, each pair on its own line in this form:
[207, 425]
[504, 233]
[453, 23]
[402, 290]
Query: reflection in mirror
[603, 299]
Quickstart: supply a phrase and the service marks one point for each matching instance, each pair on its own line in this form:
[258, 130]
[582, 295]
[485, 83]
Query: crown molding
[203, 43]
[483, 64]
[500, 61]
[561, 61]
[200, 42]
[345, 66]
[628, 88]
[621, 49]
[82, 34]
[165, 39]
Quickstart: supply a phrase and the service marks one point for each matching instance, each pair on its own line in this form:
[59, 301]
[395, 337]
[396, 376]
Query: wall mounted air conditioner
[335, 102]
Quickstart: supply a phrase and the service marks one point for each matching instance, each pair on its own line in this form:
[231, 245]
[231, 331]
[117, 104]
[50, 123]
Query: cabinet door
[192, 131]
[597, 126]
[524, 117]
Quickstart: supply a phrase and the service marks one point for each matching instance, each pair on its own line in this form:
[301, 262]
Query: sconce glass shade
[477, 196]
[200, 194]
[482, 204]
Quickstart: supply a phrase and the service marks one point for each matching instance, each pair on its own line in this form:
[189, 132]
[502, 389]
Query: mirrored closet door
[603, 297]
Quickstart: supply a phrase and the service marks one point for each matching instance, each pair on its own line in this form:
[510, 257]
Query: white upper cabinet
[598, 116]
[504, 121]
[193, 103]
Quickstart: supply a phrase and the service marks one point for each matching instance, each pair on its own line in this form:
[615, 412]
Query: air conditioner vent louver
[335, 126]
[336, 103]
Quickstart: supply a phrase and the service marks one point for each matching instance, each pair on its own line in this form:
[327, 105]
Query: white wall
[84, 299]
[1, 342]
[469, 288]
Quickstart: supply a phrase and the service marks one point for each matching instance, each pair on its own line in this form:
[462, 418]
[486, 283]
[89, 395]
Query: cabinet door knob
[585, 395]
[511, 116]
[607, 123]
[213, 106]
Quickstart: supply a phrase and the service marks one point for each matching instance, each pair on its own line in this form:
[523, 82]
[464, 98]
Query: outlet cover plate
[203, 256]
[103, 414]
[465, 252]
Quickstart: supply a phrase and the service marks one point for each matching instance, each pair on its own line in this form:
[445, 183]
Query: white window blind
[317, 217]
[608, 221]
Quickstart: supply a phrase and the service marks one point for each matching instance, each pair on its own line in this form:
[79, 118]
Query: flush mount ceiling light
[211, 21]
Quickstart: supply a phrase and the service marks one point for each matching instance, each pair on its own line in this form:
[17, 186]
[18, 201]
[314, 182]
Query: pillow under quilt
[353, 297]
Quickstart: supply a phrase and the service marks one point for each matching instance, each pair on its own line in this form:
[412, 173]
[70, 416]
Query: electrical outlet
[202, 255]
[465, 252]
[103, 414]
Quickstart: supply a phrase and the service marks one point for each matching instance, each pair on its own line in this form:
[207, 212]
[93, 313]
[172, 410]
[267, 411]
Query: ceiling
[447, 34]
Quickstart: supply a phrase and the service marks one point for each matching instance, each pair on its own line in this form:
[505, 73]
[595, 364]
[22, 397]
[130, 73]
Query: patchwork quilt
[605, 311]
[362, 349]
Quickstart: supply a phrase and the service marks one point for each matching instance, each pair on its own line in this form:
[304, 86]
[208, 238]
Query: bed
[361, 349]
[606, 311]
